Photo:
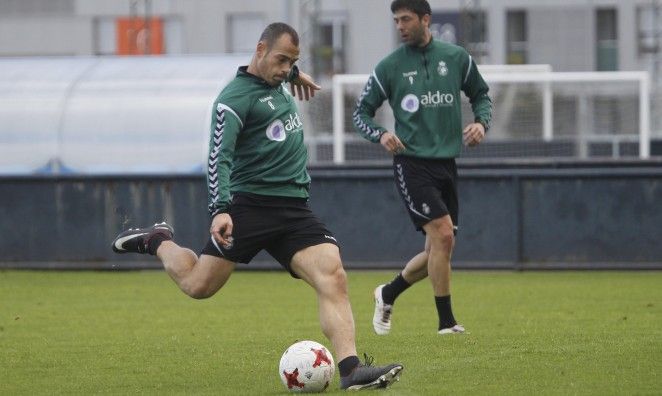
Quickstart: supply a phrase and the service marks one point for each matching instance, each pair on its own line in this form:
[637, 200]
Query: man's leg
[385, 295]
[415, 270]
[197, 277]
[320, 266]
[440, 242]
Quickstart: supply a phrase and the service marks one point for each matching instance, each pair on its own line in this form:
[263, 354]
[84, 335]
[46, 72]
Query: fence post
[338, 122]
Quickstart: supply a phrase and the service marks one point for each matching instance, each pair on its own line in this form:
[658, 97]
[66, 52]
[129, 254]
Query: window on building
[105, 32]
[474, 33]
[244, 31]
[516, 38]
[467, 29]
[649, 32]
[139, 36]
[329, 49]
[37, 7]
[173, 36]
[607, 40]
[132, 36]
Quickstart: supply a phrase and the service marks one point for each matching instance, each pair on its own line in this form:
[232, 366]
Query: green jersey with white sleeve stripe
[256, 144]
[422, 86]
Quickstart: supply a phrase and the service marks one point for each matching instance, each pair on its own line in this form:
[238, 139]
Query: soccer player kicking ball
[422, 81]
[258, 199]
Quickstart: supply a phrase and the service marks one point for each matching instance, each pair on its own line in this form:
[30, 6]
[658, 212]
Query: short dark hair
[418, 7]
[273, 32]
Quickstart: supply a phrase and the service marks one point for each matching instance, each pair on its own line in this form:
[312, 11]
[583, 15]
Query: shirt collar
[424, 48]
[242, 71]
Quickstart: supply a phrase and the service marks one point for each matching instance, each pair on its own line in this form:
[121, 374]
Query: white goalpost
[587, 111]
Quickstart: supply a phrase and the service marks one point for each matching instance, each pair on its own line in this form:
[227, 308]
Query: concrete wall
[553, 215]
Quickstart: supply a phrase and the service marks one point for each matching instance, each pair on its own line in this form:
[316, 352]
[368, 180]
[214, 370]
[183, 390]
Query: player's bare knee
[340, 277]
[198, 290]
[336, 278]
[446, 238]
[440, 235]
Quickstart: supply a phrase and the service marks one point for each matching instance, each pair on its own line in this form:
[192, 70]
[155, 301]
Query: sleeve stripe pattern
[466, 77]
[374, 75]
[225, 107]
[212, 165]
[489, 122]
[365, 128]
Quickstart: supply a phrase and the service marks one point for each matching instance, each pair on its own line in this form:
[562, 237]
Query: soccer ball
[306, 366]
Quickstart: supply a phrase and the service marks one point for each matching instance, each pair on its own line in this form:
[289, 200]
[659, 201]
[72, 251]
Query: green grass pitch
[542, 333]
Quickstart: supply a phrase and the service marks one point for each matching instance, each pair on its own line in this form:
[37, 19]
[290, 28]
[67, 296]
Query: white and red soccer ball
[306, 366]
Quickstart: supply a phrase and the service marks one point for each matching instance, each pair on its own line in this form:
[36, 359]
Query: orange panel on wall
[139, 36]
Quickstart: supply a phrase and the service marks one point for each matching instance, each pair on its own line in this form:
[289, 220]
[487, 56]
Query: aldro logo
[278, 130]
[411, 102]
[437, 99]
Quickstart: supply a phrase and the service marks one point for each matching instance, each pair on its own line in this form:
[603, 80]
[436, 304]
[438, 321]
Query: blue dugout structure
[561, 215]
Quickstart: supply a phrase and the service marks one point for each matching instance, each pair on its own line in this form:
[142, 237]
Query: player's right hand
[391, 143]
[221, 229]
[304, 86]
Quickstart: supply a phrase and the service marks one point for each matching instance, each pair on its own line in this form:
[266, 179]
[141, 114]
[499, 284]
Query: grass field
[134, 332]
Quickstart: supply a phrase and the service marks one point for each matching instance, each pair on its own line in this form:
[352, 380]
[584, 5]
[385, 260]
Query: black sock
[348, 364]
[392, 290]
[445, 312]
[154, 243]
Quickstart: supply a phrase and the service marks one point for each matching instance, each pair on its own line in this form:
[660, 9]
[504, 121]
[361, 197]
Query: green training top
[256, 143]
[422, 86]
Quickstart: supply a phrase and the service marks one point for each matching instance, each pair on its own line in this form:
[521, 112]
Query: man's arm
[371, 98]
[225, 127]
[476, 89]
[301, 84]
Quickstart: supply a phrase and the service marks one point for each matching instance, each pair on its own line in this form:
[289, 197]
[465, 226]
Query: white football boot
[457, 329]
[381, 321]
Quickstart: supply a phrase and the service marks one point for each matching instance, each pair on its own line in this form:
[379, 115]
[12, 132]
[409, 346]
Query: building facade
[343, 36]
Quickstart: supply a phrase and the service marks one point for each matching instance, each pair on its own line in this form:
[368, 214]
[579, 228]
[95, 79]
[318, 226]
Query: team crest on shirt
[442, 69]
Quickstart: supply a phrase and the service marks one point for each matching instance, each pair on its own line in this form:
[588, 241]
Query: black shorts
[428, 188]
[280, 225]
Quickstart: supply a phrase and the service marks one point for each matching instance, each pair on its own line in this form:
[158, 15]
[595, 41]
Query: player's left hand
[304, 86]
[473, 134]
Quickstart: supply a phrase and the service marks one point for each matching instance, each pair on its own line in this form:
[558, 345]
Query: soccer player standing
[258, 199]
[422, 81]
